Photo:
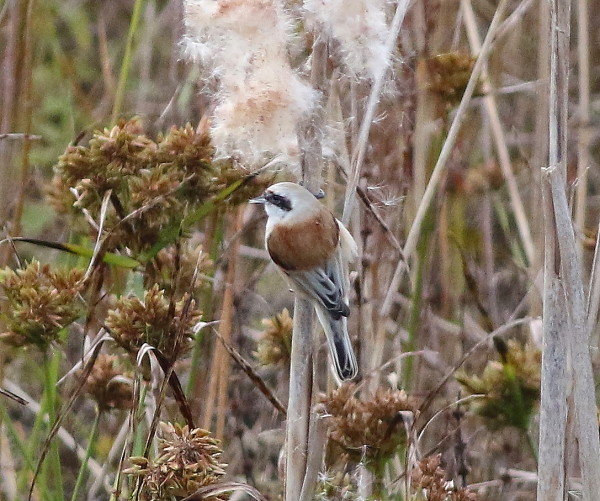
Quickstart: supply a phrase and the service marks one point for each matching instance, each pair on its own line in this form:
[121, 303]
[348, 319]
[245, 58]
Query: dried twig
[365, 127]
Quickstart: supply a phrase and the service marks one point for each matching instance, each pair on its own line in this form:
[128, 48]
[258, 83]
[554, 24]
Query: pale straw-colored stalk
[583, 131]
[491, 108]
[221, 362]
[226, 326]
[301, 438]
[565, 326]
[440, 166]
[553, 405]
[358, 155]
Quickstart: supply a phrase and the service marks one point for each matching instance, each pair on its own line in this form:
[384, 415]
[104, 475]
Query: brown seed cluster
[133, 322]
[275, 344]
[153, 183]
[108, 385]
[449, 74]
[429, 484]
[187, 460]
[193, 265]
[41, 301]
[368, 428]
[510, 388]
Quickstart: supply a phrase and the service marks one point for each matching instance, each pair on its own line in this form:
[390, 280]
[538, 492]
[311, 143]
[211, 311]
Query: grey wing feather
[326, 285]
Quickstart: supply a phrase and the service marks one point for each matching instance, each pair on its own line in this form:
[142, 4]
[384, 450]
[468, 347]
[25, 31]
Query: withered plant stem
[565, 325]
[358, 154]
[221, 364]
[26, 117]
[226, 325]
[415, 230]
[583, 130]
[298, 480]
[491, 108]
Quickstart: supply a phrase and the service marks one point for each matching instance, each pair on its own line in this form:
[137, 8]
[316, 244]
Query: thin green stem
[126, 64]
[414, 320]
[90, 448]
[207, 304]
[532, 447]
[378, 469]
[51, 404]
[33, 442]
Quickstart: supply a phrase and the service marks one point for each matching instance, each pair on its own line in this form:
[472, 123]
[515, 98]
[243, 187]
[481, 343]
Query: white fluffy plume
[261, 99]
[360, 29]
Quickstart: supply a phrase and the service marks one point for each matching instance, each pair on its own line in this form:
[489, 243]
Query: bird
[312, 248]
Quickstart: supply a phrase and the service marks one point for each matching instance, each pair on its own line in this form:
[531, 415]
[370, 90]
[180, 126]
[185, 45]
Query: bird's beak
[258, 200]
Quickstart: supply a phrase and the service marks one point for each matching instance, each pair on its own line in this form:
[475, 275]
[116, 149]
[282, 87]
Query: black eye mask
[278, 200]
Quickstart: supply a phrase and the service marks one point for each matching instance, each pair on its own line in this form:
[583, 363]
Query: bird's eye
[279, 201]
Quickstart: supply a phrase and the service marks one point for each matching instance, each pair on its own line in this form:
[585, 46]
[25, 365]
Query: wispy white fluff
[261, 99]
[360, 29]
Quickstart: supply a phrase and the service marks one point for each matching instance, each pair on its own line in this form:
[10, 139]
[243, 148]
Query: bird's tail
[340, 347]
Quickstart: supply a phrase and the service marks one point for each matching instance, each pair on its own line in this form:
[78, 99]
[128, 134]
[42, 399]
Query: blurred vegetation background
[97, 152]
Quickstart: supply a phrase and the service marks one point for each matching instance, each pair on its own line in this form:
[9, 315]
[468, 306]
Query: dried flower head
[275, 344]
[87, 172]
[429, 484]
[153, 183]
[510, 388]
[40, 303]
[187, 460]
[191, 258]
[133, 322]
[368, 428]
[449, 74]
[108, 385]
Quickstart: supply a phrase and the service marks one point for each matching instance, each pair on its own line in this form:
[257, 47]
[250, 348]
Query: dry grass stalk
[583, 130]
[491, 108]
[302, 364]
[577, 336]
[221, 363]
[593, 300]
[226, 325]
[374, 98]
[300, 399]
[440, 166]
[317, 439]
[564, 304]
[553, 404]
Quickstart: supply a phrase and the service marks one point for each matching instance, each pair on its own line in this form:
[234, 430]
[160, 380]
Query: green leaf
[80, 250]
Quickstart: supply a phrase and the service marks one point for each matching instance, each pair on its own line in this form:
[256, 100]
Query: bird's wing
[325, 285]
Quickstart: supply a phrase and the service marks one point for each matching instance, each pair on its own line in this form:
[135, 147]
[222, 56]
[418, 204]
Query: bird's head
[287, 201]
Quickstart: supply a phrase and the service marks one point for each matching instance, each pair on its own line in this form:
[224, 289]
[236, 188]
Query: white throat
[275, 215]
